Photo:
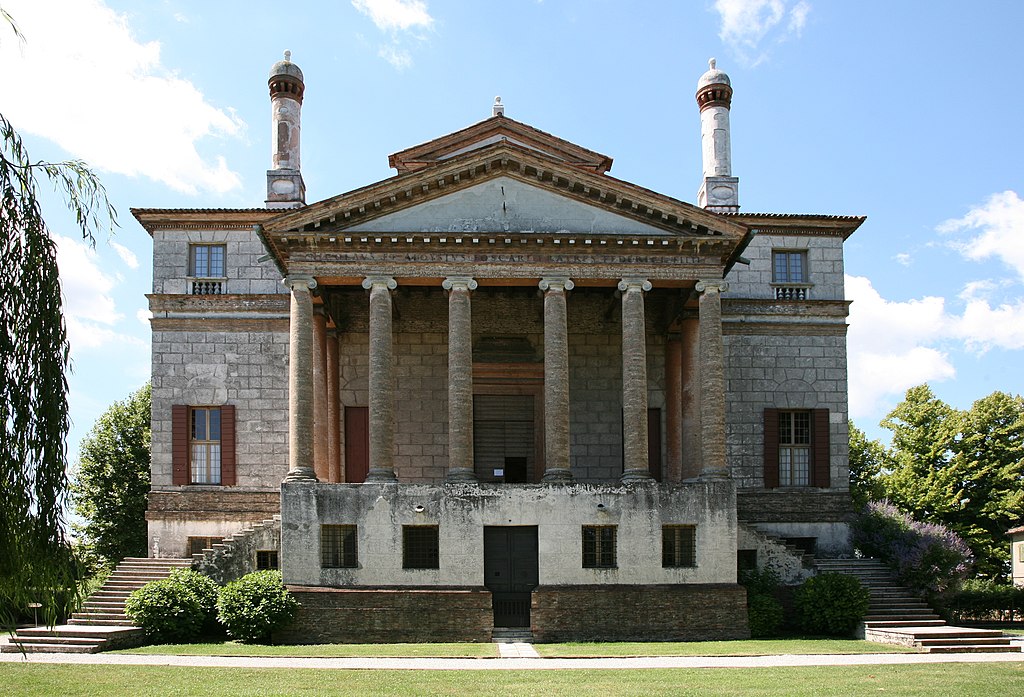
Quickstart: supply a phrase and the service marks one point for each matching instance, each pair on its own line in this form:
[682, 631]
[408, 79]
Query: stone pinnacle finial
[288, 56]
[498, 109]
[712, 63]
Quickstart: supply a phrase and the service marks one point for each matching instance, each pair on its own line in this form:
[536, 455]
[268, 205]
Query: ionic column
[333, 408]
[460, 378]
[674, 408]
[712, 379]
[381, 383]
[320, 460]
[300, 381]
[556, 380]
[635, 465]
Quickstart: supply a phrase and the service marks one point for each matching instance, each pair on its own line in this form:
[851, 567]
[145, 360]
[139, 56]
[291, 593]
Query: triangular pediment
[498, 129]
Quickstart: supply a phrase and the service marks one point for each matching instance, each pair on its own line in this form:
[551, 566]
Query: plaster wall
[242, 268]
[460, 512]
[824, 267]
[505, 205]
[1017, 550]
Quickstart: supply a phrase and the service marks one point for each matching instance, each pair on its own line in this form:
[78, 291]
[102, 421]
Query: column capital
[370, 281]
[299, 282]
[556, 283]
[711, 286]
[459, 283]
[634, 283]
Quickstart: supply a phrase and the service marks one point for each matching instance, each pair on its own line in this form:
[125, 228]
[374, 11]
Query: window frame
[208, 542]
[601, 550]
[339, 546]
[789, 449]
[415, 557]
[207, 272]
[679, 552]
[212, 448]
[787, 276]
[273, 557]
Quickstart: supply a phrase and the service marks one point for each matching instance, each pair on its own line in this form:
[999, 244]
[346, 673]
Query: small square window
[678, 546]
[420, 547]
[206, 261]
[599, 547]
[266, 559]
[789, 267]
[338, 547]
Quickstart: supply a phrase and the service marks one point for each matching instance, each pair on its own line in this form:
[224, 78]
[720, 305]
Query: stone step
[977, 641]
[882, 624]
[900, 616]
[952, 633]
[31, 647]
[974, 648]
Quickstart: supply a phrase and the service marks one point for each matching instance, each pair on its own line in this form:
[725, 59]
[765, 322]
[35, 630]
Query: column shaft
[460, 379]
[635, 465]
[381, 382]
[557, 466]
[691, 436]
[320, 439]
[712, 379]
[300, 381]
[674, 408]
[333, 408]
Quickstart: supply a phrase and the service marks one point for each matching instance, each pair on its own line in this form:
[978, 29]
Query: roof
[201, 218]
[799, 223]
[1015, 531]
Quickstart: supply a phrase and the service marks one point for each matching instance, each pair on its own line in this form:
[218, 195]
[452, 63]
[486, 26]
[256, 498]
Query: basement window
[196, 545]
[420, 547]
[599, 546]
[338, 547]
[266, 559]
[678, 546]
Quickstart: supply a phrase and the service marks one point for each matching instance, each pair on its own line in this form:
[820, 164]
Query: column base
[715, 473]
[460, 475]
[557, 475]
[636, 475]
[301, 474]
[381, 475]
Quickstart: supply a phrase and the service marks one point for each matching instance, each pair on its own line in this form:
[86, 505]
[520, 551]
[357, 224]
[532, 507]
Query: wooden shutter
[227, 445]
[654, 442]
[179, 445]
[357, 444]
[771, 448]
[821, 455]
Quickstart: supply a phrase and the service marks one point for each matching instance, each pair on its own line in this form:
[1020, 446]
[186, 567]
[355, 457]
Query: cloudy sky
[906, 112]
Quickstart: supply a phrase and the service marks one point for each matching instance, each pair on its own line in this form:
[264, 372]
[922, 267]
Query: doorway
[511, 572]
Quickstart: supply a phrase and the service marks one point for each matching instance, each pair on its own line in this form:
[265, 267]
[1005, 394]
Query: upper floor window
[789, 269]
[205, 445]
[599, 547]
[794, 448]
[206, 269]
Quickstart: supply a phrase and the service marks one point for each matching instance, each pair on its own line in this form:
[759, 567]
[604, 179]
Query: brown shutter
[654, 443]
[357, 444]
[771, 448]
[227, 445]
[179, 444]
[821, 455]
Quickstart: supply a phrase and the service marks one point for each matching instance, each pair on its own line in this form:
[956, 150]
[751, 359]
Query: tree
[868, 460]
[113, 480]
[961, 469]
[36, 563]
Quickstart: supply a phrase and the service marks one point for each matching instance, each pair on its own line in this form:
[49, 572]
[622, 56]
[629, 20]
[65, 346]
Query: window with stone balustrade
[206, 269]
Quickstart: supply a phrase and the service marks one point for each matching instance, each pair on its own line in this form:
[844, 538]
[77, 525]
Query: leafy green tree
[36, 563]
[113, 480]
[868, 461]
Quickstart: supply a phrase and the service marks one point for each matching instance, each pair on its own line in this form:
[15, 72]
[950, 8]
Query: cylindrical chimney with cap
[719, 190]
[285, 188]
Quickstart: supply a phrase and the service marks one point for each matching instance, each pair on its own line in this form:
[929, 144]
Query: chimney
[285, 188]
[719, 190]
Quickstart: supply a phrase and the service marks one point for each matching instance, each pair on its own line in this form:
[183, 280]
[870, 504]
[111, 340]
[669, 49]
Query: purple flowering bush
[926, 556]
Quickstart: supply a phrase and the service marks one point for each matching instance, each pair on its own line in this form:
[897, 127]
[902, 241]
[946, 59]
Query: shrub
[831, 604]
[985, 601]
[256, 605]
[925, 556]
[764, 611]
[177, 608]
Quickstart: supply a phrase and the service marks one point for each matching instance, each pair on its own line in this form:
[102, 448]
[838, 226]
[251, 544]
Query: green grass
[750, 647]
[143, 681]
[232, 648]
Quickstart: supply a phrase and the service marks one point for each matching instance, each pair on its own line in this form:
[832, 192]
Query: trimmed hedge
[256, 605]
[985, 601]
[831, 604]
[177, 608]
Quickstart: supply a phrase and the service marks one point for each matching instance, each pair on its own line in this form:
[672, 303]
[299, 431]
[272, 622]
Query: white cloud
[395, 15]
[903, 259]
[127, 255]
[999, 224]
[746, 24]
[400, 19]
[88, 85]
[144, 316]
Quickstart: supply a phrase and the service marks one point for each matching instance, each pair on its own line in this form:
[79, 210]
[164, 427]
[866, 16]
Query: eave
[153, 219]
[800, 224]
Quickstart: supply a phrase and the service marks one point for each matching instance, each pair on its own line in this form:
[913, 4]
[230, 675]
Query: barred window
[420, 547]
[205, 445]
[599, 547]
[207, 261]
[678, 546]
[338, 547]
[266, 559]
[196, 545]
[794, 448]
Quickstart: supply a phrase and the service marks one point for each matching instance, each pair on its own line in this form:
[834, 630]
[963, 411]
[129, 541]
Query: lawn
[232, 648]
[142, 681]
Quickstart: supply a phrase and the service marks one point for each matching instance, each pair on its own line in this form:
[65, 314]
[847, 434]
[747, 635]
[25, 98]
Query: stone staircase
[501, 635]
[101, 623]
[898, 616]
[235, 556]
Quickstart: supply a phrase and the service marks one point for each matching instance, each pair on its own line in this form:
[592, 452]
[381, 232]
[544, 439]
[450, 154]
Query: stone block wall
[639, 613]
[824, 266]
[243, 270]
[409, 615]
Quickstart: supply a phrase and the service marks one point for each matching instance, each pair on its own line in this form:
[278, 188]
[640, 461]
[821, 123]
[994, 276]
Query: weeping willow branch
[36, 563]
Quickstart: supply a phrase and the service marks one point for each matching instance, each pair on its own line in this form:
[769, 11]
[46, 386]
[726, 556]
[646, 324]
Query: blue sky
[906, 112]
